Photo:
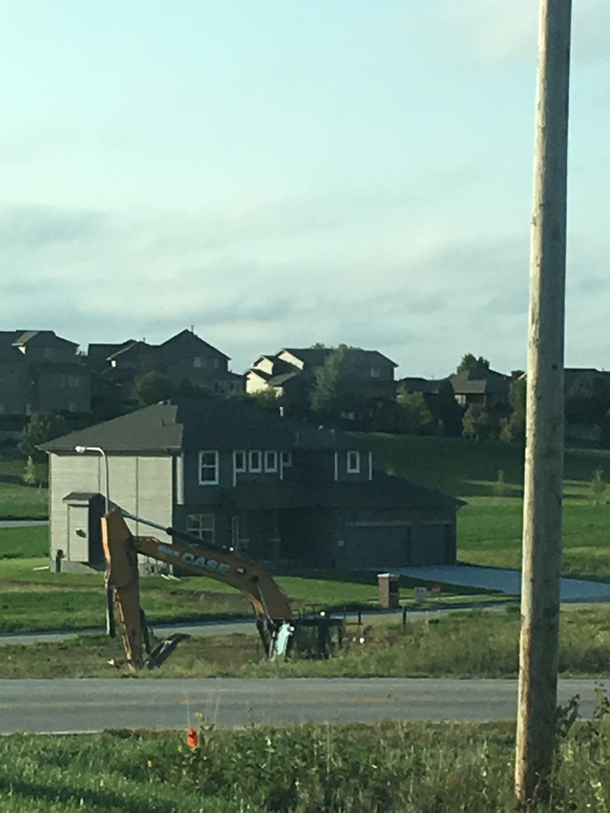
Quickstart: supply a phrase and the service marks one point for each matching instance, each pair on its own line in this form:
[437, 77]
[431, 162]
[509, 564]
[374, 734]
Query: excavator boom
[231, 567]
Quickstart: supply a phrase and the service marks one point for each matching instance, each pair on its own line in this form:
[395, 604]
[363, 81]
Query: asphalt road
[54, 706]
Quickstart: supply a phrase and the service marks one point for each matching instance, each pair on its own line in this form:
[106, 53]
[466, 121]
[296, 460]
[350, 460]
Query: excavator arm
[121, 549]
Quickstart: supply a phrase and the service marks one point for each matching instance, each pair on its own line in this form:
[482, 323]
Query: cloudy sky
[281, 172]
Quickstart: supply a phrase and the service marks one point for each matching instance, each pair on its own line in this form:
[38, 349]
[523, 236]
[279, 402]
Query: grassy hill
[490, 525]
[16, 498]
[466, 468]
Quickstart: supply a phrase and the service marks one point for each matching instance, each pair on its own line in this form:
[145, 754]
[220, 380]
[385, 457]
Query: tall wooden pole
[540, 595]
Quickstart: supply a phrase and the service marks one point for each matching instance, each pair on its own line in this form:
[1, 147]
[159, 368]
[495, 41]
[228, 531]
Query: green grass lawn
[33, 599]
[388, 767]
[16, 498]
[480, 644]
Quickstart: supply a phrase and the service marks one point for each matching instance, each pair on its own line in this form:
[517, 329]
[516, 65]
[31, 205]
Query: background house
[239, 476]
[482, 386]
[291, 372]
[182, 358]
[40, 371]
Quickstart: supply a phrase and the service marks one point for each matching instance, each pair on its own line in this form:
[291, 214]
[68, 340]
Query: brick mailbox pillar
[389, 591]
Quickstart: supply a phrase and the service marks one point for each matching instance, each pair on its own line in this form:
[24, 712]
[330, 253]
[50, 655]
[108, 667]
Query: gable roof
[151, 429]
[316, 356]
[479, 379]
[188, 338]
[40, 337]
[202, 423]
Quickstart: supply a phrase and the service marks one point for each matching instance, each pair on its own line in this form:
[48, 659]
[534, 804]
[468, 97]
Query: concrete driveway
[504, 581]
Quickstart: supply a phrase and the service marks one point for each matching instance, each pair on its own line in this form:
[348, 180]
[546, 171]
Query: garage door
[377, 546]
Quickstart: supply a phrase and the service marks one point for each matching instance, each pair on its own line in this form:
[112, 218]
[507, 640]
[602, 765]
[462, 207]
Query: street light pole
[542, 517]
[100, 451]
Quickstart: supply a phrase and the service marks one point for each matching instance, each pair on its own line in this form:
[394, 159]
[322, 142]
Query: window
[73, 406]
[208, 468]
[201, 525]
[375, 372]
[353, 462]
[286, 459]
[239, 461]
[255, 461]
[270, 462]
[198, 361]
[73, 381]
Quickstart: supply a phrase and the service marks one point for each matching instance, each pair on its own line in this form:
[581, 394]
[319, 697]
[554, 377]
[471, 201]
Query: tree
[588, 400]
[30, 477]
[42, 427]
[469, 360]
[478, 424]
[447, 411]
[514, 429]
[186, 389]
[337, 390]
[416, 414]
[265, 399]
[150, 388]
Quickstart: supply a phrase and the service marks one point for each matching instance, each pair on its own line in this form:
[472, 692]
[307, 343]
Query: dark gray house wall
[196, 465]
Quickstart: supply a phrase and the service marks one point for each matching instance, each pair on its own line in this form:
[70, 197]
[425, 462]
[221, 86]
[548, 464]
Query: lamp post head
[80, 449]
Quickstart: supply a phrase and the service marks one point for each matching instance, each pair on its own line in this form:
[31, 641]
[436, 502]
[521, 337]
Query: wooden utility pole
[540, 595]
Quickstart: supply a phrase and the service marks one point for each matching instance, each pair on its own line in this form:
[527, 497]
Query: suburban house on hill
[183, 357]
[480, 385]
[236, 475]
[41, 371]
[291, 372]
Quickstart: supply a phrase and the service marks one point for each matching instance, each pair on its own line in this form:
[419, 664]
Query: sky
[286, 172]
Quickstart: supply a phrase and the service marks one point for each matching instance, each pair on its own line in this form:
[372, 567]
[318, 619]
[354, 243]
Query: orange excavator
[275, 621]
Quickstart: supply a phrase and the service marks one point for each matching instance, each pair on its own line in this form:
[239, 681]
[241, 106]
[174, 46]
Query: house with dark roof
[183, 357]
[291, 372]
[480, 385]
[41, 371]
[239, 476]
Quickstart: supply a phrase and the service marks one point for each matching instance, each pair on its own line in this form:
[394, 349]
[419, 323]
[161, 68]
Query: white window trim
[285, 462]
[351, 469]
[241, 469]
[215, 481]
[273, 468]
[370, 465]
[198, 531]
[336, 467]
[251, 468]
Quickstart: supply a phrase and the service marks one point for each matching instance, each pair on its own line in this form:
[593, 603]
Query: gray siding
[141, 484]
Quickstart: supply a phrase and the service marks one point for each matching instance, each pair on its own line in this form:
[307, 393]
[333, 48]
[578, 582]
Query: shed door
[78, 533]
[377, 546]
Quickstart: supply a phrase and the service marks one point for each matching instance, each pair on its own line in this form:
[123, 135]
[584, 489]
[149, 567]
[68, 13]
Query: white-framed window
[286, 459]
[208, 468]
[375, 372]
[270, 462]
[255, 461]
[198, 361]
[239, 461]
[353, 462]
[201, 525]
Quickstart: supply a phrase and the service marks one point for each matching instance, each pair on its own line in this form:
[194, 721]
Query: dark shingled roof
[385, 491]
[206, 423]
[151, 429]
[479, 379]
[316, 356]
